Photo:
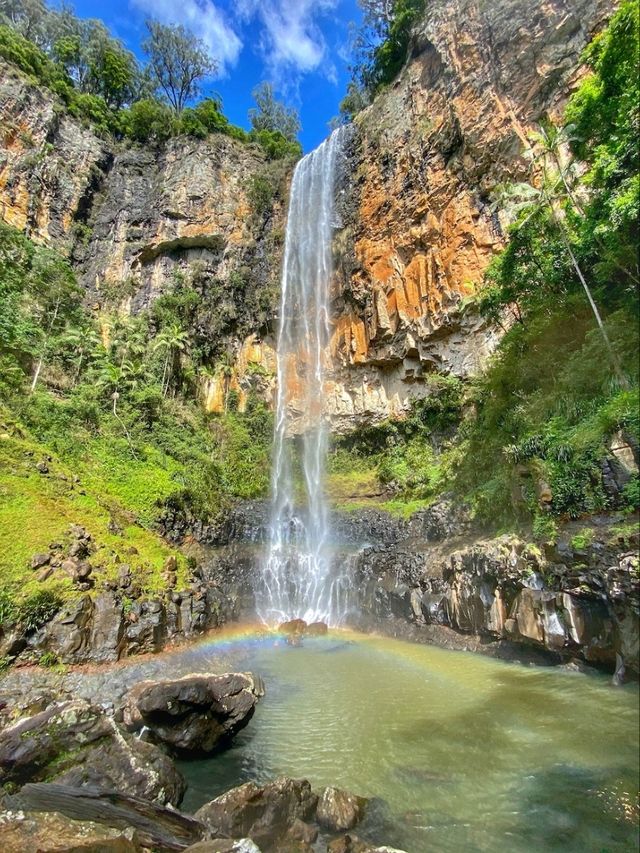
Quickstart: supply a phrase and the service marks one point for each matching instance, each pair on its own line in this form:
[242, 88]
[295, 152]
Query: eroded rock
[339, 810]
[265, 814]
[77, 744]
[196, 713]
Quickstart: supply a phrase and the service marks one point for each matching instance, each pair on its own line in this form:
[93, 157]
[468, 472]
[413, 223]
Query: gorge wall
[417, 225]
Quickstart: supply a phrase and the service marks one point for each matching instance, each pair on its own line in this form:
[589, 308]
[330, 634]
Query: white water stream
[297, 579]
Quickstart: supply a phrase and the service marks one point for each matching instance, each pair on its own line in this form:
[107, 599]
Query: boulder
[317, 629]
[293, 627]
[196, 713]
[266, 814]
[40, 560]
[75, 743]
[339, 810]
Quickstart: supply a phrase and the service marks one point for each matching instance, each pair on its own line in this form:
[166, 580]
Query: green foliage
[631, 493]
[272, 115]
[275, 145]
[49, 660]
[583, 539]
[148, 120]
[8, 607]
[381, 47]
[178, 62]
[261, 192]
[38, 609]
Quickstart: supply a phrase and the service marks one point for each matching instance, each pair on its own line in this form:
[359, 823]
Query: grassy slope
[37, 509]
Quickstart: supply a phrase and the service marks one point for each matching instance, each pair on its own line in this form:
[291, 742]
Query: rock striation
[425, 158]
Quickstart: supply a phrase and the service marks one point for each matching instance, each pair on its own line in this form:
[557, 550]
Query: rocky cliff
[143, 221]
[419, 226]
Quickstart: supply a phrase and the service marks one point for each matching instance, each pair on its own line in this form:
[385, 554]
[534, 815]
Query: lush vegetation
[110, 405]
[381, 47]
[534, 430]
[101, 82]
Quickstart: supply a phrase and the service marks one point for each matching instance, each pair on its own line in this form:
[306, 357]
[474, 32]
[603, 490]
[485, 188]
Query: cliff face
[48, 162]
[419, 229]
[142, 221]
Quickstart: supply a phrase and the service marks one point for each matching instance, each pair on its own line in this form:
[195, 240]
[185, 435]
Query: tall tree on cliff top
[178, 62]
[272, 115]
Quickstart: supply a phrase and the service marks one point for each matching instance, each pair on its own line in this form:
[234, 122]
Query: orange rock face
[419, 225]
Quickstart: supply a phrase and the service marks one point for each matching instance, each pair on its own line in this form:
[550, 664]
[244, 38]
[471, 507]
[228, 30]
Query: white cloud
[291, 40]
[204, 19]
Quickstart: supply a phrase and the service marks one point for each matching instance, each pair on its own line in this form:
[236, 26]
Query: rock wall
[418, 226]
[140, 221]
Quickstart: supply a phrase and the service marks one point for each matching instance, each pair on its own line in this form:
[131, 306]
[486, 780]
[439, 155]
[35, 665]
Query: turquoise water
[461, 752]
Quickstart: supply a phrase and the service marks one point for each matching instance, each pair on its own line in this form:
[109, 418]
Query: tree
[172, 340]
[272, 115]
[97, 63]
[28, 17]
[178, 62]
[55, 294]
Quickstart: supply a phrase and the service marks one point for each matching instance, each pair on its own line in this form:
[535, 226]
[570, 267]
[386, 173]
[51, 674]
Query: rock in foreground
[197, 713]
[339, 810]
[154, 826]
[271, 815]
[75, 743]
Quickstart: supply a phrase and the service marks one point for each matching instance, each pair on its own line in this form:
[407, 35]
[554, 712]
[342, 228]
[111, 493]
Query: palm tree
[84, 344]
[172, 340]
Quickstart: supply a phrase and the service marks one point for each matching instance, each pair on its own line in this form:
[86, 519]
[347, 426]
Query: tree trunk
[36, 375]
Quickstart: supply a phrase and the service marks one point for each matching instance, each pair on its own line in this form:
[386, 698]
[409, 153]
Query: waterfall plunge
[297, 579]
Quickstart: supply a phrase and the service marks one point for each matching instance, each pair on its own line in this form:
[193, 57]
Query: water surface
[467, 753]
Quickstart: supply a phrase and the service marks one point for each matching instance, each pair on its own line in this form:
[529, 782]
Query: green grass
[36, 510]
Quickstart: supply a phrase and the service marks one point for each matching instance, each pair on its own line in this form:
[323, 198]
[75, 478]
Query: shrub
[148, 120]
[38, 609]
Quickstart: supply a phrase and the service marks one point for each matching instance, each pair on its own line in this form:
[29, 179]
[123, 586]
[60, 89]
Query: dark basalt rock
[196, 713]
[77, 744]
[266, 814]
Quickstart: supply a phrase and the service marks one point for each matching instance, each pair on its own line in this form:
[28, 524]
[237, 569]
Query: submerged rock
[75, 743]
[268, 815]
[339, 810]
[196, 713]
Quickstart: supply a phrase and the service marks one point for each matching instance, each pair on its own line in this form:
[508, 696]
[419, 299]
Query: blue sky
[302, 46]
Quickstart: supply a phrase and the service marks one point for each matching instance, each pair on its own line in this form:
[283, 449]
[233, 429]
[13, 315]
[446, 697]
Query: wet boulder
[293, 627]
[77, 744]
[339, 810]
[196, 713]
[267, 815]
[317, 629]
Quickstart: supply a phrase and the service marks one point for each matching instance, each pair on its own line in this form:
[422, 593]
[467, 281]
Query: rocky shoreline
[78, 775]
[431, 578]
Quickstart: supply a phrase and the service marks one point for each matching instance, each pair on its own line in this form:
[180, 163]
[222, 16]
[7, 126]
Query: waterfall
[297, 579]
